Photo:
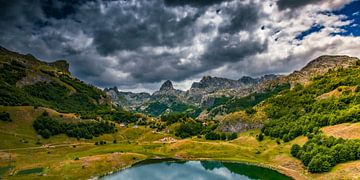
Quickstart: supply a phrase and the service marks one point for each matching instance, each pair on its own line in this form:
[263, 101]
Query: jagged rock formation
[167, 86]
[127, 99]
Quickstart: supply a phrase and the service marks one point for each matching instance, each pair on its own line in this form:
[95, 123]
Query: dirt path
[45, 147]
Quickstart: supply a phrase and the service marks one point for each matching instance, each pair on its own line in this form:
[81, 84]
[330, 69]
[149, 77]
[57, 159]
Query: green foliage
[260, 137]
[174, 117]
[247, 102]
[220, 136]
[250, 111]
[299, 111]
[156, 108]
[47, 127]
[11, 73]
[189, 129]
[4, 116]
[295, 150]
[212, 136]
[321, 153]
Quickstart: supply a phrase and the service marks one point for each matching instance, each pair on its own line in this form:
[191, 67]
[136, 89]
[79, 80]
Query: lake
[196, 170]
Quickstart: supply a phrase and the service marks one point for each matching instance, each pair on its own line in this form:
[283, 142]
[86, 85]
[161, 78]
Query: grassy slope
[136, 144]
[345, 130]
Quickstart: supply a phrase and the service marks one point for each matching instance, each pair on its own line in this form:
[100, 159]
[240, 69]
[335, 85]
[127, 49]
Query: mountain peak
[166, 86]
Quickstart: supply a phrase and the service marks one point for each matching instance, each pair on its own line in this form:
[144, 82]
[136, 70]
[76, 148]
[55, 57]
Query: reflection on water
[196, 170]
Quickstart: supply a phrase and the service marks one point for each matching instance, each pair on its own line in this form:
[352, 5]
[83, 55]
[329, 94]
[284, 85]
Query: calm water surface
[196, 170]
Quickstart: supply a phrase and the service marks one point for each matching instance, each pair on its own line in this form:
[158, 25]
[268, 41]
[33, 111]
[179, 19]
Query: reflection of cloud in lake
[192, 170]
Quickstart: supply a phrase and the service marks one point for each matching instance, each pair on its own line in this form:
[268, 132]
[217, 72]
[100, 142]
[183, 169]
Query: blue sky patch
[314, 28]
[352, 11]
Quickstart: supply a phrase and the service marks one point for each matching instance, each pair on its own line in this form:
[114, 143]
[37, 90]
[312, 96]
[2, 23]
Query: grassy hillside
[24, 80]
[328, 100]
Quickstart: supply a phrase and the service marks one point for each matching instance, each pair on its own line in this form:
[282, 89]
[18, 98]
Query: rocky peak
[62, 65]
[327, 62]
[167, 86]
[247, 80]
[115, 89]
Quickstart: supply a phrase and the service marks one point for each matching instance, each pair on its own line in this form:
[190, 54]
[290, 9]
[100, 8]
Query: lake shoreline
[281, 170]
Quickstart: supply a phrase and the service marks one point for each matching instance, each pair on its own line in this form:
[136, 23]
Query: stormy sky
[137, 44]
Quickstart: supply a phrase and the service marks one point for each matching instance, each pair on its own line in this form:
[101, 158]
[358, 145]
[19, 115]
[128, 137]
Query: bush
[260, 137]
[212, 136]
[232, 136]
[4, 116]
[295, 150]
[319, 164]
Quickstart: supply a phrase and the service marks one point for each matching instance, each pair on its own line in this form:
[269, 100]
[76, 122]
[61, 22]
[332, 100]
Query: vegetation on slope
[330, 99]
[24, 80]
[229, 105]
[47, 126]
[321, 153]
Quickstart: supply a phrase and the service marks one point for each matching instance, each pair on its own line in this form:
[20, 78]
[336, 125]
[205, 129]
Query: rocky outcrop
[62, 65]
[239, 126]
[127, 99]
[318, 66]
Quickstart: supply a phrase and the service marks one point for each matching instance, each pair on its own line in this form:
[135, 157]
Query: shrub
[4, 116]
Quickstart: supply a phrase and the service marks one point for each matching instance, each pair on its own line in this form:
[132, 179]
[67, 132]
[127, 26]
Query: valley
[303, 125]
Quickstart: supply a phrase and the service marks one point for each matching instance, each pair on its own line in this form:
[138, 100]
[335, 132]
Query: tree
[232, 136]
[295, 150]
[319, 164]
[260, 137]
[223, 136]
[212, 136]
[45, 133]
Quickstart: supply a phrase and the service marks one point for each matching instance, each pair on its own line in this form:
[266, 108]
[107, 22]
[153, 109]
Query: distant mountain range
[206, 94]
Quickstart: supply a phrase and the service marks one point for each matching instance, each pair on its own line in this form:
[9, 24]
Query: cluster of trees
[321, 153]
[172, 118]
[47, 126]
[189, 129]
[193, 128]
[220, 136]
[4, 116]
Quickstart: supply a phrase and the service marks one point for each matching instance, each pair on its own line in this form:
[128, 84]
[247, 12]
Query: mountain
[219, 95]
[316, 86]
[25, 80]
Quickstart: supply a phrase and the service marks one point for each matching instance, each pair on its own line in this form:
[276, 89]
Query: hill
[25, 80]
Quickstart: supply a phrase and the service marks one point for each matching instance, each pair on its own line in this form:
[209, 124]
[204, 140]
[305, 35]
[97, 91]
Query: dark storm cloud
[230, 49]
[60, 9]
[241, 18]
[293, 4]
[195, 3]
[131, 42]
[147, 25]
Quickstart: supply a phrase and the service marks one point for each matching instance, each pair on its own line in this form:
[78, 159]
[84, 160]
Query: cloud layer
[137, 44]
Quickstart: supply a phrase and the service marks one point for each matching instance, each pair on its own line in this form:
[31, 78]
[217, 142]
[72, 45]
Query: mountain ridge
[204, 93]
